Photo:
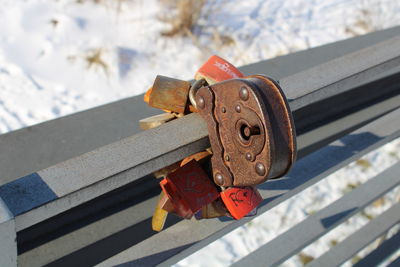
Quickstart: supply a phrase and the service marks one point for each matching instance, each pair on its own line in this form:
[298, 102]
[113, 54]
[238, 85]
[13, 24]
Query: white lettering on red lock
[226, 68]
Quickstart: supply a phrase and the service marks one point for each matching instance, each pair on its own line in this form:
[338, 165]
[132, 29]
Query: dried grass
[363, 24]
[364, 164]
[94, 59]
[184, 16]
[305, 258]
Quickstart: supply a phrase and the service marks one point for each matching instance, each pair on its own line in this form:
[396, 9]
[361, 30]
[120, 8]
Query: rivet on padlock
[189, 189]
[240, 201]
[216, 70]
[169, 94]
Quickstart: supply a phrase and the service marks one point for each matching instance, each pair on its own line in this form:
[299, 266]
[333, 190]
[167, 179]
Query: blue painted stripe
[26, 193]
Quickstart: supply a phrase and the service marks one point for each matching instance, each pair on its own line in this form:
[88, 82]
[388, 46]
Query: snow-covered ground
[61, 56]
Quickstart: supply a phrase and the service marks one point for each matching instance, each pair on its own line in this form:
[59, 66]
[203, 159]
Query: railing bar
[360, 239]
[395, 263]
[292, 241]
[381, 253]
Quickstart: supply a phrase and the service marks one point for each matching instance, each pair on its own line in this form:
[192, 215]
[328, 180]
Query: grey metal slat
[395, 263]
[344, 123]
[381, 253]
[40, 146]
[360, 239]
[284, 66]
[292, 241]
[359, 65]
[8, 246]
[186, 237]
[90, 234]
[83, 178]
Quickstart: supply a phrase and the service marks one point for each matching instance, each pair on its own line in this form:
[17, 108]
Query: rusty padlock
[168, 94]
[240, 201]
[189, 188]
[251, 130]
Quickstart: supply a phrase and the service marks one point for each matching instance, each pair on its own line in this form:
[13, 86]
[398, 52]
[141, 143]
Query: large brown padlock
[251, 130]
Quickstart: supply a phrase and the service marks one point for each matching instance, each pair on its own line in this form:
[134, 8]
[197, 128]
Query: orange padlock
[146, 96]
[199, 157]
[189, 189]
[216, 70]
[240, 201]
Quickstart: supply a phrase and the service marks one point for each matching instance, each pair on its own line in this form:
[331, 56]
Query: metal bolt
[219, 179]
[249, 131]
[244, 93]
[249, 156]
[227, 158]
[260, 169]
[223, 109]
[200, 102]
[238, 108]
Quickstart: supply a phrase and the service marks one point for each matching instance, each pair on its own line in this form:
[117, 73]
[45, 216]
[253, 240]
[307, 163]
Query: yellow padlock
[169, 94]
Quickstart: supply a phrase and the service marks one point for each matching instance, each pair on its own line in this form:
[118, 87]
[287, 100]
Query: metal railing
[96, 207]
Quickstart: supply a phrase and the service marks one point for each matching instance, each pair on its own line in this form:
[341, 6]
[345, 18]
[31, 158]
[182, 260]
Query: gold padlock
[169, 94]
[164, 171]
[212, 210]
[160, 214]
[155, 121]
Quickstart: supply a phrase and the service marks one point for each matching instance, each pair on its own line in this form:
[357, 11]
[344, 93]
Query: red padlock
[240, 201]
[217, 70]
[189, 189]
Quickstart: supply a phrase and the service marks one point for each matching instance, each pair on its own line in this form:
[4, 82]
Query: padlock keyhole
[247, 131]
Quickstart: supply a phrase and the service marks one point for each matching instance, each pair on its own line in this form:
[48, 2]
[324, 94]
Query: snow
[46, 46]
[60, 57]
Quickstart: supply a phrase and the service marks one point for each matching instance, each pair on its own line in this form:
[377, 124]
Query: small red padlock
[217, 70]
[189, 189]
[240, 201]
